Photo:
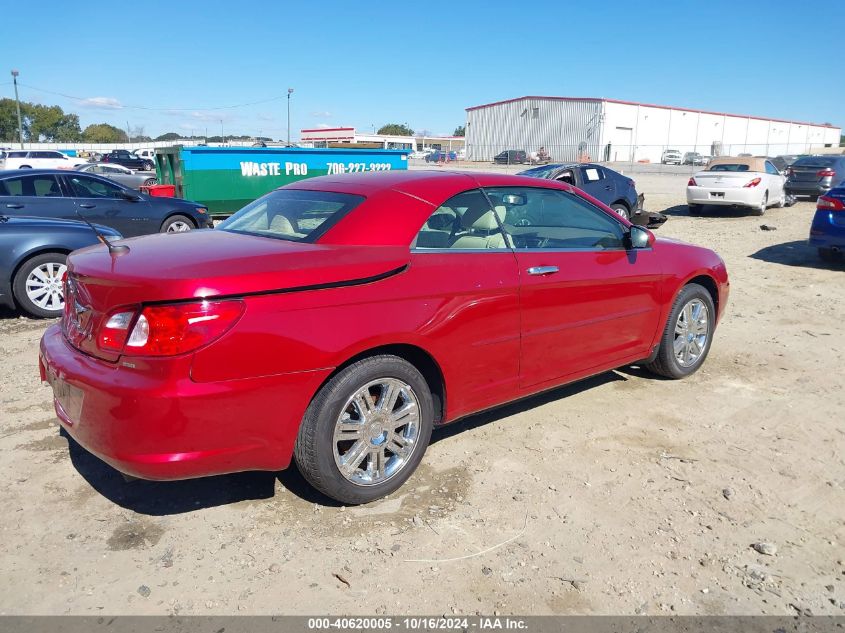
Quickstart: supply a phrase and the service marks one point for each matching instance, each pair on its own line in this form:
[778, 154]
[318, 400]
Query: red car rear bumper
[153, 421]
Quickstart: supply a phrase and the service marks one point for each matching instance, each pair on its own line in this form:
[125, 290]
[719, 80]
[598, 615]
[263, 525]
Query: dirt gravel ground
[622, 494]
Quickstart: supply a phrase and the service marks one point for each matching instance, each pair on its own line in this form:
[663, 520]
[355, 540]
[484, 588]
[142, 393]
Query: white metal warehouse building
[585, 129]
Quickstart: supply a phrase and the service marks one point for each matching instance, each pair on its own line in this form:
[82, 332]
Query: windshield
[729, 167]
[815, 161]
[291, 214]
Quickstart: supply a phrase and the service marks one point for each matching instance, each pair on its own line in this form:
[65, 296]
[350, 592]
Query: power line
[151, 108]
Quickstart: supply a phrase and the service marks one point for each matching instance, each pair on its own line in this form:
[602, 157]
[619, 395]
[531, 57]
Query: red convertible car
[337, 320]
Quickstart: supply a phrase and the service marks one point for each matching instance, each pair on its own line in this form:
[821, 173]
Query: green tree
[9, 121]
[169, 136]
[396, 129]
[50, 123]
[103, 133]
[460, 131]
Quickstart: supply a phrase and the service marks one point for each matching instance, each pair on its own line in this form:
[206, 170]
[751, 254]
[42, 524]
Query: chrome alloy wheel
[179, 227]
[376, 432]
[44, 286]
[691, 331]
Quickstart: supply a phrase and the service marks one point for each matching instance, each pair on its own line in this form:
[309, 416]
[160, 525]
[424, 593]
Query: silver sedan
[123, 175]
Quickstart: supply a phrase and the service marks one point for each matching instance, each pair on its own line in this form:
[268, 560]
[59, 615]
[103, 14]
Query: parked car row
[140, 159]
[757, 182]
[674, 157]
[47, 200]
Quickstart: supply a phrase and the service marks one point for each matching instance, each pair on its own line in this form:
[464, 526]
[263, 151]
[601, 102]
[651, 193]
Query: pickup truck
[127, 159]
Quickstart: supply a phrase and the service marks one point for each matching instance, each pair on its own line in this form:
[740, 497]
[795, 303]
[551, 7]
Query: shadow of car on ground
[797, 253]
[162, 498]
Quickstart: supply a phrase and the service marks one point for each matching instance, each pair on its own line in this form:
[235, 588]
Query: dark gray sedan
[121, 174]
[814, 176]
[56, 193]
[33, 252]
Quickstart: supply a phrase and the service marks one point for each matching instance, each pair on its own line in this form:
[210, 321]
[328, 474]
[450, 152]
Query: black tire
[621, 210]
[148, 166]
[665, 363]
[19, 285]
[694, 209]
[314, 450]
[174, 219]
[827, 255]
[149, 182]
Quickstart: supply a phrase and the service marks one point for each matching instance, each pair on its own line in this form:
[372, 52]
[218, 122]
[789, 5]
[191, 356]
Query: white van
[148, 154]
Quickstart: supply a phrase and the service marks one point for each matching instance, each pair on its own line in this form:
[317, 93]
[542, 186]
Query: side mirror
[131, 196]
[639, 237]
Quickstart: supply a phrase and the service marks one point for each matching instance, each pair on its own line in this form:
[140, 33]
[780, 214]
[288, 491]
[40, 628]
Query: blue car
[33, 252]
[439, 156]
[827, 232]
[606, 185]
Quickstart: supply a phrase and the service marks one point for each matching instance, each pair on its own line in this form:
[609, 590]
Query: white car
[421, 153]
[752, 182]
[39, 159]
[671, 157]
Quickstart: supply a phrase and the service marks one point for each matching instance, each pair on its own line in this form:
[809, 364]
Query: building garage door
[621, 144]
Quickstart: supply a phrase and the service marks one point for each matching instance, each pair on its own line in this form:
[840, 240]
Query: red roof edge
[328, 129]
[662, 107]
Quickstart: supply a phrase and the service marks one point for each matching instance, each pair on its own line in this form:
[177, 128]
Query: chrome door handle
[14, 206]
[87, 206]
[542, 270]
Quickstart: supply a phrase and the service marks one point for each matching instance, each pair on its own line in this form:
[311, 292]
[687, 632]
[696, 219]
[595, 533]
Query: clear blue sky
[421, 63]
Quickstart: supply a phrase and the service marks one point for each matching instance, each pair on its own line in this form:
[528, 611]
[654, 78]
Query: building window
[535, 113]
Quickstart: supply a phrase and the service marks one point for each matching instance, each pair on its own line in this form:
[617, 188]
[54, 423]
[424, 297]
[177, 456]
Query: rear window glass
[729, 167]
[541, 172]
[17, 154]
[815, 161]
[291, 214]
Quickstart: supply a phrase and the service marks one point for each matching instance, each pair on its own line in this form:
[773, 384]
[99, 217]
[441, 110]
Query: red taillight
[824, 173]
[168, 330]
[830, 204]
[753, 183]
[692, 183]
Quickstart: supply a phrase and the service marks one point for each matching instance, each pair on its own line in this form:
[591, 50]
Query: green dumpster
[227, 178]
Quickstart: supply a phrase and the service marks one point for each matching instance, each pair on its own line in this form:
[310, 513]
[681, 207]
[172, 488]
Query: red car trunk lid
[206, 264]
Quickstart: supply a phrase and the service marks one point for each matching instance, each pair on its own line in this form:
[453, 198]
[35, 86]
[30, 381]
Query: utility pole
[128, 134]
[15, 74]
[221, 132]
[290, 92]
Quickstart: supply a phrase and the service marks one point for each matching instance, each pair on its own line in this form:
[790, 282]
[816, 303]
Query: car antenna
[114, 249]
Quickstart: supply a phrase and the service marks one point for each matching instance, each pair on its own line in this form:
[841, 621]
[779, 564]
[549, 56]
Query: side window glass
[555, 220]
[92, 188]
[567, 177]
[13, 187]
[33, 186]
[770, 169]
[46, 187]
[464, 222]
